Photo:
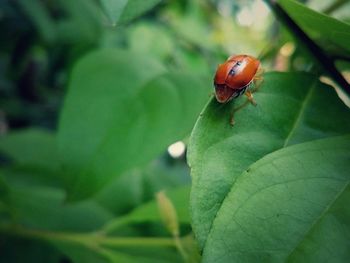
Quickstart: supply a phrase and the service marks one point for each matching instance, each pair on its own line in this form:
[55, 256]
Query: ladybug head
[223, 93]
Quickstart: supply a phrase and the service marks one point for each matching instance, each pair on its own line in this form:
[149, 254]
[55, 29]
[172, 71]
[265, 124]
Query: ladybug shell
[233, 77]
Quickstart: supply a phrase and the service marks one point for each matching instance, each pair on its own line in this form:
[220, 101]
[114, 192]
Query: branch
[341, 57]
[88, 239]
[326, 62]
[334, 6]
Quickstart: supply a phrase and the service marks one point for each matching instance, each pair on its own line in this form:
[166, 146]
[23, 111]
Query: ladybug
[234, 78]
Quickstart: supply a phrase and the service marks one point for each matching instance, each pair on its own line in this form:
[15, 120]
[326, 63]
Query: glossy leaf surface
[292, 108]
[290, 206]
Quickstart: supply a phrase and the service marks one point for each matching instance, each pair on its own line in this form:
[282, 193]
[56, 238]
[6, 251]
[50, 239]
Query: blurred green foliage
[92, 93]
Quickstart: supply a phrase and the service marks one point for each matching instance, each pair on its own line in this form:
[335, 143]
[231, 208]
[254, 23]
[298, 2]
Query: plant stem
[84, 239]
[334, 6]
[136, 241]
[89, 239]
[180, 248]
[114, 225]
[325, 62]
[341, 57]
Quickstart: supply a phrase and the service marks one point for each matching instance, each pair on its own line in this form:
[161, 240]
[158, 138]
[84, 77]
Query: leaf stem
[89, 239]
[85, 239]
[341, 57]
[136, 241]
[180, 248]
[326, 62]
[114, 225]
[334, 6]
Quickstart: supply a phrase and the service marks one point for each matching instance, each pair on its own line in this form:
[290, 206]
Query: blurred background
[41, 41]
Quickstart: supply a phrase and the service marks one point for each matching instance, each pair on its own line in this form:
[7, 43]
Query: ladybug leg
[257, 83]
[232, 120]
[259, 72]
[250, 97]
[258, 79]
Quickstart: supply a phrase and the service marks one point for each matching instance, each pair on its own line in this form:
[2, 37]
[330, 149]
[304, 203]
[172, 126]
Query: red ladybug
[234, 77]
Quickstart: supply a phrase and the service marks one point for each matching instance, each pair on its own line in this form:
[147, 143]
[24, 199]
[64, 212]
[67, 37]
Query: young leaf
[31, 147]
[41, 19]
[168, 213]
[290, 206]
[292, 108]
[114, 8]
[42, 207]
[110, 122]
[122, 11]
[149, 212]
[138, 186]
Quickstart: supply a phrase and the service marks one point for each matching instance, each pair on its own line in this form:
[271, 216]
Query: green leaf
[45, 209]
[292, 108]
[129, 187]
[330, 33]
[122, 11]
[290, 206]
[78, 253]
[114, 8]
[122, 110]
[138, 186]
[155, 39]
[40, 17]
[40, 206]
[81, 24]
[31, 147]
[149, 211]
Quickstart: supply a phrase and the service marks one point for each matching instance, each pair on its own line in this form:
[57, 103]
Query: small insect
[235, 77]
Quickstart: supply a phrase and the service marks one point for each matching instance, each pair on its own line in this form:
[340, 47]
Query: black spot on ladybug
[232, 72]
